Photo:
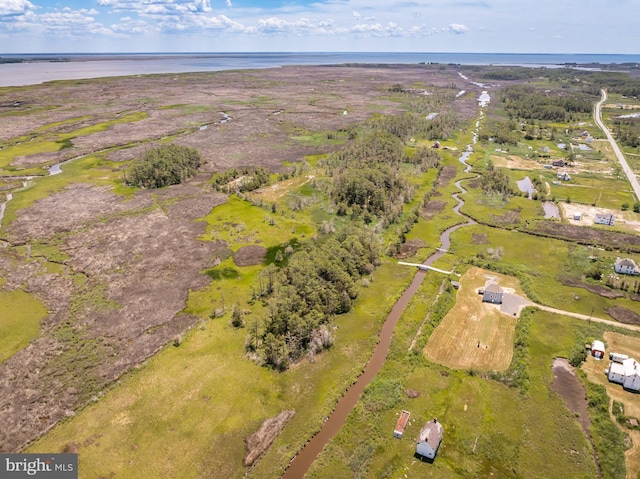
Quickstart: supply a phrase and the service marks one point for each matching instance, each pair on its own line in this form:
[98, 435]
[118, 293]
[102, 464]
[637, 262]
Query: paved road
[623, 162]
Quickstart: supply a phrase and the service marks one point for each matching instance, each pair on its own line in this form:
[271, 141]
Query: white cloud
[228, 3]
[457, 28]
[356, 14]
[158, 7]
[15, 7]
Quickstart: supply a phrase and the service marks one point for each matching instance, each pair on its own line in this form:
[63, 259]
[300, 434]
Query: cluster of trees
[237, 180]
[496, 181]
[366, 177]
[527, 102]
[163, 166]
[317, 282]
[501, 132]
[627, 131]
[367, 180]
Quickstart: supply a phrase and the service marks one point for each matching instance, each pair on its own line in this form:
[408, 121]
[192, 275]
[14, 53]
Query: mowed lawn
[474, 334]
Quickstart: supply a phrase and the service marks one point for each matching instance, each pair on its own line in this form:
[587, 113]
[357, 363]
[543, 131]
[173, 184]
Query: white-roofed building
[626, 373]
[626, 266]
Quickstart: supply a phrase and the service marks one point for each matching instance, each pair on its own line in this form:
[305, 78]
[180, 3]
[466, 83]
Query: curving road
[633, 179]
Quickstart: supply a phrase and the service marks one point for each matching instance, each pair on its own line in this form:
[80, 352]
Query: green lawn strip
[20, 316]
[490, 429]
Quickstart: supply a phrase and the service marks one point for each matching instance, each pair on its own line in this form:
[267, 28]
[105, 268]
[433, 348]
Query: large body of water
[46, 67]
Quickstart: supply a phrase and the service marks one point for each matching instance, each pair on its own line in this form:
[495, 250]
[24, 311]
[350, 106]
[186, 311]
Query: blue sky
[511, 26]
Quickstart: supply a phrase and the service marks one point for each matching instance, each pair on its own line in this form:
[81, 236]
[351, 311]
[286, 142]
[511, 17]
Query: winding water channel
[301, 463]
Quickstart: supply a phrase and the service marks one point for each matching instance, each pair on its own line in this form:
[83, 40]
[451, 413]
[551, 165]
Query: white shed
[429, 439]
[597, 349]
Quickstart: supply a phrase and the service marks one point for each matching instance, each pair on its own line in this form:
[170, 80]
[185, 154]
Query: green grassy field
[20, 316]
[483, 434]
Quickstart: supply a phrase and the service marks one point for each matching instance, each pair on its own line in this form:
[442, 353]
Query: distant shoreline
[29, 69]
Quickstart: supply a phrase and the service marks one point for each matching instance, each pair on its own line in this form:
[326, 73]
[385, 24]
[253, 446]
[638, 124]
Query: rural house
[626, 266]
[564, 176]
[625, 372]
[492, 293]
[604, 219]
[429, 439]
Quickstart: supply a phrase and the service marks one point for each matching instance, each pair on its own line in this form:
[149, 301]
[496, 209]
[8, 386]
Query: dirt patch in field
[479, 239]
[590, 236]
[250, 255]
[410, 248]
[593, 288]
[448, 173]
[515, 162]
[568, 386]
[260, 440]
[624, 315]
[432, 209]
[511, 217]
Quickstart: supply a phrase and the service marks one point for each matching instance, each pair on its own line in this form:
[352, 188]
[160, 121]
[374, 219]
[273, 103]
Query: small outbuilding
[597, 349]
[429, 439]
[401, 425]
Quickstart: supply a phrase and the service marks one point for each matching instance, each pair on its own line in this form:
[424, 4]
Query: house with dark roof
[492, 293]
[429, 439]
[626, 266]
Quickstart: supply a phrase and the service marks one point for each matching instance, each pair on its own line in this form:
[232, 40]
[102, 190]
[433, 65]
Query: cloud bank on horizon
[509, 26]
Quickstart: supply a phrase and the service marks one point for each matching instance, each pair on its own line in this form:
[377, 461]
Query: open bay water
[38, 68]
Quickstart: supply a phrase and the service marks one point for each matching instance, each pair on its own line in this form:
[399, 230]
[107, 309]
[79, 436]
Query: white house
[429, 439]
[604, 219]
[626, 373]
[564, 176]
[626, 266]
[492, 293]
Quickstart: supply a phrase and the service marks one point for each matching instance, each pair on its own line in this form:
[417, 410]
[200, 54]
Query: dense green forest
[317, 283]
[526, 102]
[163, 166]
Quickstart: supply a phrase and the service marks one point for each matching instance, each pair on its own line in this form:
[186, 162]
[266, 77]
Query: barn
[429, 439]
[597, 349]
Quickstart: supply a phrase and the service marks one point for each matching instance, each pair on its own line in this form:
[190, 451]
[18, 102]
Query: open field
[473, 334]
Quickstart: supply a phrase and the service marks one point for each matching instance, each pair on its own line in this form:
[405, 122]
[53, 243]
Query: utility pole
[591, 314]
